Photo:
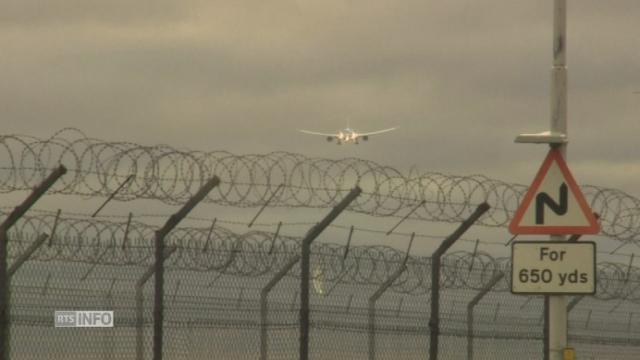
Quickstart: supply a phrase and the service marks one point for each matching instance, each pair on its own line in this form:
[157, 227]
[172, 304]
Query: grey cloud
[34, 13]
[460, 78]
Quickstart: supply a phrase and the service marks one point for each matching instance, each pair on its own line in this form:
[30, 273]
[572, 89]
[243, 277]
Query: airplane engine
[365, 138]
[329, 138]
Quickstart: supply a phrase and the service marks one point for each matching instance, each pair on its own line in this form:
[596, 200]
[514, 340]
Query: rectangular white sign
[553, 267]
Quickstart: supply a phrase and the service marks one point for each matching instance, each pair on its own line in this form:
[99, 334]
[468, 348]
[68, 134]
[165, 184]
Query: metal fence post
[372, 308]
[4, 297]
[109, 336]
[545, 330]
[139, 323]
[574, 302]
[13, 217]
[305, 264]
[434, 321]
[22, 258]
[264, 305]
[158, 304]
[140, 304]
[470, 307]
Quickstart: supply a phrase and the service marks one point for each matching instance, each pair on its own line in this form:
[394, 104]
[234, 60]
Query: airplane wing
[317, 133]
[376, 132]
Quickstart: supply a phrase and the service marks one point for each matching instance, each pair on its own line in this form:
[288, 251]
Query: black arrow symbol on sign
[544, 199]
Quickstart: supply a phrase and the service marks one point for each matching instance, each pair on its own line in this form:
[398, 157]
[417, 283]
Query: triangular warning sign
[554, 203]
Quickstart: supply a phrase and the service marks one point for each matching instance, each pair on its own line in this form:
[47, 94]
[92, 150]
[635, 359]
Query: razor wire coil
[98, 168]
[247, 255]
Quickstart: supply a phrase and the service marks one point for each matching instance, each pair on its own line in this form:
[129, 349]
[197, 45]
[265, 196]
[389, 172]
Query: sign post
[557, 204]
[558, 317]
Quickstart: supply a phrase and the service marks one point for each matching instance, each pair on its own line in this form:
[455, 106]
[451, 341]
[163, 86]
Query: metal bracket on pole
[346, 249]
[476, 299]
[574, 302]
[473, 256]
[618, 248]
[348, 307]
[264, 305]
[406, 216]
[175, 292]
[586, 324]
[434, 321]
[576, 237]
[628, 274]
[305, 266]
[126, 231]
[215, 279]
[206, 243]
[54, 228]
[129, 178]
[275, 236]
[113, 283]
[338, 280]
[495, 316]
[529, 298]
[406, 255]
[616, 307]
[37, 192]
[158, 306]
[545, 137]
[511, 240]
[265, 204]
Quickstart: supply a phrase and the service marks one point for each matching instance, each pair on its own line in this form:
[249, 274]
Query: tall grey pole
[558, 303]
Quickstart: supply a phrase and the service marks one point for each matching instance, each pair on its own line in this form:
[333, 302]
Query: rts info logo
[83, 318]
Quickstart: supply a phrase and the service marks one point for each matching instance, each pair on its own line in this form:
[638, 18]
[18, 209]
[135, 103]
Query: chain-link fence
[211, 313]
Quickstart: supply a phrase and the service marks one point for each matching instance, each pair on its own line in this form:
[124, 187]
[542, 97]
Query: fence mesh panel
[207, 315]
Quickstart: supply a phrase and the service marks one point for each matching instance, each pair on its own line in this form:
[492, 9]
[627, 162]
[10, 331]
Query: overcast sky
[459, 78]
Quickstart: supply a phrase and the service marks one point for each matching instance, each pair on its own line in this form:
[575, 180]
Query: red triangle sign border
[516, 228]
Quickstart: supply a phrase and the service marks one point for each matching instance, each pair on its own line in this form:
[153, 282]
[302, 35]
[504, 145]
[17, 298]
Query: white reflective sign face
[546, 267]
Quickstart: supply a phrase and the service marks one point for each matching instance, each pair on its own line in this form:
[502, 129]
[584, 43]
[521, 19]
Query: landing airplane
[347, 135]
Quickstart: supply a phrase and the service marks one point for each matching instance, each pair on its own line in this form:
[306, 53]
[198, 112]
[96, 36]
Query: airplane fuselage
[347, 135]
